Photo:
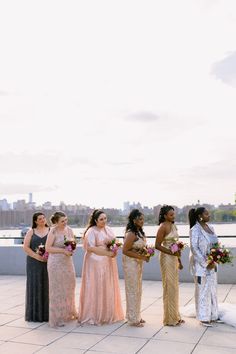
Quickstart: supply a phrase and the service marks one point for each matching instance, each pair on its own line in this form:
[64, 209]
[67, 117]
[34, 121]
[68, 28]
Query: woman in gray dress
[36, 309]
[202, 238]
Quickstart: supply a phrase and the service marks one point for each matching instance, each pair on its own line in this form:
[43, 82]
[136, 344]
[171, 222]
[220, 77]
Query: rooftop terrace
[18, 336]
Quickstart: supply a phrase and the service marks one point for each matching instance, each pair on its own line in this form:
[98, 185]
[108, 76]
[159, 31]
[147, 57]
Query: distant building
[126, 208]
[19, 205]
[47, 206]
[4, 205]
[30, 198]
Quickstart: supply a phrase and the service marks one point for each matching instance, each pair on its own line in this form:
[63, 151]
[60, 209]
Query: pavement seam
[198, 341]
[228, 292]
[105, 336]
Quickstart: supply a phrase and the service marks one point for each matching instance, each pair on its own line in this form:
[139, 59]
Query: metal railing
[117, 236]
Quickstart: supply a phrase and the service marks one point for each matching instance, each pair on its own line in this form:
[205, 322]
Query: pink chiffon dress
[100, 300]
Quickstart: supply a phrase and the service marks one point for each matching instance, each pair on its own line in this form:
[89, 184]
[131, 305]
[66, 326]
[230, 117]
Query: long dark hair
[35, 217]
[194, 215]
[56, 216]
[93, 218]
[134, 214]
[163, 211]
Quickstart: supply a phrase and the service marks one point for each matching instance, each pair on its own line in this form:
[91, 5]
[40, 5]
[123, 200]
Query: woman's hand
[180, 264]
[145, 258]
[211, 266]
[67, 253]
[111, 254]
[177, 254]
[40, 258]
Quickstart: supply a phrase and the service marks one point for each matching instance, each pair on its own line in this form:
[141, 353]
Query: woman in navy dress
[36, 309]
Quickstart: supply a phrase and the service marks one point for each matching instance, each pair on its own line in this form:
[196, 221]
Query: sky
[108, 101]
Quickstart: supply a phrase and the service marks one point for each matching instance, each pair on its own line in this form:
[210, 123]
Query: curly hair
[163, 211]
[134, 214]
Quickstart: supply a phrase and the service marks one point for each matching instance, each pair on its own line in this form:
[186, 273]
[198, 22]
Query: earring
[201, 219]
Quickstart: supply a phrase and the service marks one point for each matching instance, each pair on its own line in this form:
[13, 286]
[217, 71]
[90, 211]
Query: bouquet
[147, 251]
[70, 245]
[177, 246]
[219, 255]
[42, 251]
[114, 245]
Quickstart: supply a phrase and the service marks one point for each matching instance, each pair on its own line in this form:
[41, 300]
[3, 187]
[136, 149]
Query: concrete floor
[18, 336]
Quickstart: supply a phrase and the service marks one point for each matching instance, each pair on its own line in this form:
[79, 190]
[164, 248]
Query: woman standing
[36, 271]
[133, 267]
[100, 300]
[202, 238]
[167, 234]
[61, 272]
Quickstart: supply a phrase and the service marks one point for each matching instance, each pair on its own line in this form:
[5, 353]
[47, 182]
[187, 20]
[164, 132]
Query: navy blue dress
[37, 302]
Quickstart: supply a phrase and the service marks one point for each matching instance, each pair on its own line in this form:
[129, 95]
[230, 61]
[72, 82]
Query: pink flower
[151, 251]
[114, 245]
[174, 248]
[69, 248]
[45, 255]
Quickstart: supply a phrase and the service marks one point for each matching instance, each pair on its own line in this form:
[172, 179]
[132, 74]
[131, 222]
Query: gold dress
[170, 280]
[133, 270]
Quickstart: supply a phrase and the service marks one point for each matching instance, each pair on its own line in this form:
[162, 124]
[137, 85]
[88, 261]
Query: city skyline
[116, 101]
[127, 205]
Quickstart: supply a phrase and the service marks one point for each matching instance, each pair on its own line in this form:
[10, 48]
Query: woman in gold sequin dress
[170, 265]
[133, 267]
[61, 273]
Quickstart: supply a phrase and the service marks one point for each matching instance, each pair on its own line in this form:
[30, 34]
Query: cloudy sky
[107, 101]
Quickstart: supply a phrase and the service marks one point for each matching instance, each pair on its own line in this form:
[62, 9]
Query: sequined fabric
[205, 279]
[170, 281]
[133, 269]
[62, 283]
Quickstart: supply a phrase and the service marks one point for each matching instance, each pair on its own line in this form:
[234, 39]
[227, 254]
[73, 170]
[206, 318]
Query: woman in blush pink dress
[61, 273]
[100, 301]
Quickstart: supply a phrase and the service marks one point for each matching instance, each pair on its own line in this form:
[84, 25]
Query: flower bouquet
[40, 250]
[219, 255]
[147, 251]
[178, 246]
[114, 245]
[70, 245]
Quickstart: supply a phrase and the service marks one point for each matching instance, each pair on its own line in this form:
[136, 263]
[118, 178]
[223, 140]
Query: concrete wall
[12, 262]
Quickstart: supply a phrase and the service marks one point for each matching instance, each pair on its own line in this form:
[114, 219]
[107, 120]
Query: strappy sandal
[206, 324]
[181, 321]
[139, 324]
[217, 321]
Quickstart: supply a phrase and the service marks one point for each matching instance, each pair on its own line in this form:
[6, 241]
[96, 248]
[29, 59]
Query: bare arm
[51, 249]
[99, 251]
[28, 250]
[161, 233]
[90, 241]
[127, 247]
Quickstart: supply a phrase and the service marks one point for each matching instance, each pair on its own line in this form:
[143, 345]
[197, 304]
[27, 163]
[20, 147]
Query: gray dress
[37, 302]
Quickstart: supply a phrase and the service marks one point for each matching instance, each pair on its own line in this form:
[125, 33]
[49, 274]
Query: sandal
[142, 321]
[206, 324]
[217, 321]
[139, 324]
[181, 321]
